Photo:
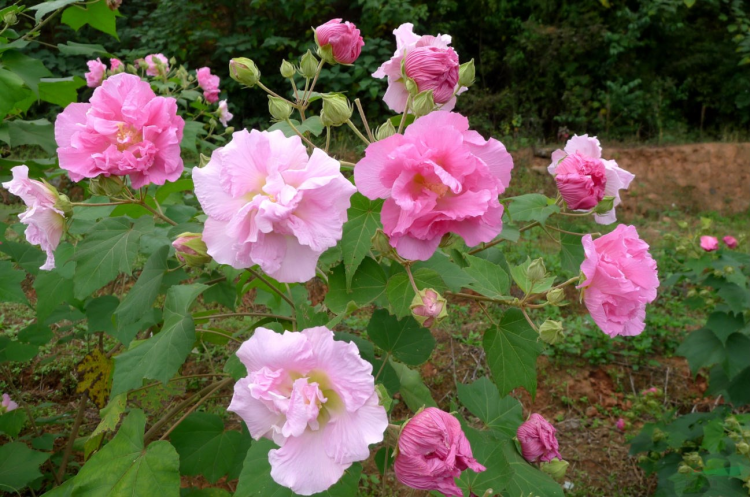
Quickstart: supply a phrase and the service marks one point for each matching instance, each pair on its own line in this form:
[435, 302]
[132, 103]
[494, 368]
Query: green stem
[307, 96]
[347, 164]
[104, 204]
[357, 132]
[272, 287]
[156, 213]
[218, 387]
[492, 244]
[364, 119]
[270, 92]
[294, 128]
[328, 137]
[403, 116]
[243, 314]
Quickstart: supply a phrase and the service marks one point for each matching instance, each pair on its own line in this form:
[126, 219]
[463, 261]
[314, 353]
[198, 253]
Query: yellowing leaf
[96, 377]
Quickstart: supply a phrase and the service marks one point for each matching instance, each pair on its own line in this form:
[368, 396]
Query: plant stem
[364, 119]
[312, 86]
[211, 332]
[240, 314]
[272, 287]
[382, 366]
[42, 24]
[347, 164]
[357, 132]
[528, 319]
[411, 278]
[156, 213]
[72, 437]
[105, 204]
[403, 116]
[272, 93]
[219, 386]
[328, 138]
[492, 244]
[294, 128]
[564, 231]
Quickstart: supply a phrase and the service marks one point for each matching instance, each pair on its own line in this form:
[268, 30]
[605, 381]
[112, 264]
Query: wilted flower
[537, 438]
[224, 115]
[339, 42]
[95, 76]
[709, 243]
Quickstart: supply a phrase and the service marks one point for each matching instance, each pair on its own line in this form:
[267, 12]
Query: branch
[272, 287]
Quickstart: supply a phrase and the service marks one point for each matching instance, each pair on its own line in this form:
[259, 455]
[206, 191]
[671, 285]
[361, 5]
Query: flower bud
[131, 69]
[287, 69]
[555, 296]
[7, 405]
[428, 307]
[743, 448]
[63, 204]
[423, 103]
[731, 422]
[109, 186]
[536, 271]
[114, 4]
[555, 468]
[658, 435]
[538, 441]
[684, 469]
[190, 249]
[203, 160]
[244, 71]
[10, 19]
[279, 108]
[229, 130]
[466, 75]
[693, 459]
[385, 130]
[336, 110]
[381, 243]
[551, 332]
[620, 425]
[308, 65]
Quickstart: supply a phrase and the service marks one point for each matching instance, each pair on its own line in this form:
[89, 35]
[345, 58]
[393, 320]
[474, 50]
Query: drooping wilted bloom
[538, 441]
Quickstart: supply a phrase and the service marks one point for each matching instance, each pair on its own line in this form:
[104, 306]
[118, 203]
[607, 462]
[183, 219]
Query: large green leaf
[44, 8]
[97, 15]
[11, 423]
[205, 447]
[10, 283]
[368, 284]
[159, 357]
[520, 276]
[12, 90]
[53, 288]
[40, 132]
[28, 256]
[400, 292]
[702, 348]
[29, 69]
[512, 349]
[99, 313]
[490, 279]
[571, 253]
[124, 467]
[89, 50]
[363, 220]
[14, 351]
[526, 479]
[405, 339]
[482, 399]
[487, 449]
[19, 466]
[454, 277]
[532, 207]
[60, 91]
[413, 391]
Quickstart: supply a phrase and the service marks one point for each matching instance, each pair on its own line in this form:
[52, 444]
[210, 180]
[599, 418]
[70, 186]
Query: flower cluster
[711, 243]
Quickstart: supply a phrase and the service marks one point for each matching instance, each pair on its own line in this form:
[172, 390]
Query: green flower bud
[279, 108]
[606, 205]
[428, 307]
[731, 423]
[308, 65]
[244, 71]
[466, 75]
[537, 271]
[387, 129]
[381, 242]
[704, 293]
[692, 293]
[693, 459]
[423, 103]
[229, 130]
[684, 469]
[172, 61]
[10, 19]
[326, 54]
[109, 186]
[658, 435]
[555, 296]
[555, 468]
[336, 109]
[728, 269]
[743, 448]
[287, 69]
[411, 86]
[131, 69]
[551, 332]
[63, 204]
[203, 160]
[190, 249]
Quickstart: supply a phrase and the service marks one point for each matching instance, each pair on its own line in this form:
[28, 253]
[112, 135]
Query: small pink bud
[428, 307]
[730, 242]
[538, 441]
[95, 76]
[7, 404]
[581, 181]
[156, 64]
[652, 390]
[339, 41]
[433, 68]
[620, 424]
[709, 243]
[209, 83]
[191, 249]
[116, 65]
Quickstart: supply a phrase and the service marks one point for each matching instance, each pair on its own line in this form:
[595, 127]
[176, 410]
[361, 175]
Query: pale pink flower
[209, 83]
[407, 41]
[315, 397]
[7, 404]
[95, 76]
[620, 425]
[709, 243]
[581, 181]
[437, 178]
[617, 178]
[344, 38]
[152, 67]
[45, 222]
[432, 451]
[538, 441]
[621, 278]
[224, 115]
[116, 65]
[730, 241]
[652, 390]
[433, 68]
[125, 130]
[270, 204]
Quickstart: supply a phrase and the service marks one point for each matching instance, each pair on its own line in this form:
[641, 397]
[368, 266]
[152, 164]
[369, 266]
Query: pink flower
[152, 66]
[434, 68]
[268, 203]
[581, 181]
[344, 39]
[224, 115]
[620, 425]
[8, 405]
[315, 397]
[537, 438]
[116, 65]
[95, 76]
[45, 222]
[210, 84]
[432, 451]
[730, 241]
[709, 243]
[428, 307]
[125, 130]
[652, 390]
[437, 178]
[621, 278]
[616, 178]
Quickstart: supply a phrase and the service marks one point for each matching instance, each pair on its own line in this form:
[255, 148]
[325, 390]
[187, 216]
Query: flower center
[435, 187]
[127, 136]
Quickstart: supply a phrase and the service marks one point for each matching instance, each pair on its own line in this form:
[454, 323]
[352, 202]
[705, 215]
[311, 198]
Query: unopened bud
[381, 242]
[555, 468]
[287, 69]
[684, 469]
[555, 296]
[190, 249]
[10, 19]
[743, 448]
[326, 53]
[203, 160]
[336, 110]
[109, 186]
[229, 130]
[423, 103]
[308, 65]
[131, 69]
[693, 459]
[428, 307]
[551, 332]
[658, 435]
[466, 74]
[114, 4]
[605, 205]
[692, 293]
[244, 71]
[385, 130]
[279, 108]
[63, 204]
[536, 271]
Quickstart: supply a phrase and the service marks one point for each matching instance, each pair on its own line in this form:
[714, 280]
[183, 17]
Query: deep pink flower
[651, 390]
[8, 405]
[709, 243]
[432, 451]
[346, 43]
[209, 83]
[315, 397]
[125, 130]
[621, 278]
[45, 222]
[224, 115]
[406, 41]
[152, 67]
[437, 178]
[433, 68]
[268, 203]
[537, 438]
[617, 178]
[95, 76]
[116, 65]
[620, 424]
[581, 181]
[730, 241]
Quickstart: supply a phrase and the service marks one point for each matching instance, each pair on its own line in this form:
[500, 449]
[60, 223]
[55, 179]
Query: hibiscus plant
[151, 269]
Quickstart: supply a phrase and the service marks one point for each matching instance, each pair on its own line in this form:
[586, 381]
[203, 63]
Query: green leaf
[532, 207]
[454, 277]
[11, 91]
[235, 368]
[40, 132]
[482, 399]
[519, 276]
[193, 129]
[45, 8]
[702, 348]
[28, 256]
[363, 220]
[168, 188]
[52, 289]
[19, 466]
[110, 248]
[737, 389]
[512, 349]
[487, 449]
[29, 69]
[99, 314]
[526, 479]
[10, 283]
[89, 50]
[36, 334]
[400, 292]
[405, 339]
[11, 423]
[571, 253]
[311, 124]
[368, 284]
[124, 467]
[60, 91]
[689, 3]
[204, 446]
[737, 353]
[97, 15]
[159, 357]
[110, 415]
[413, 390]
[489, 279]
[13, 351]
